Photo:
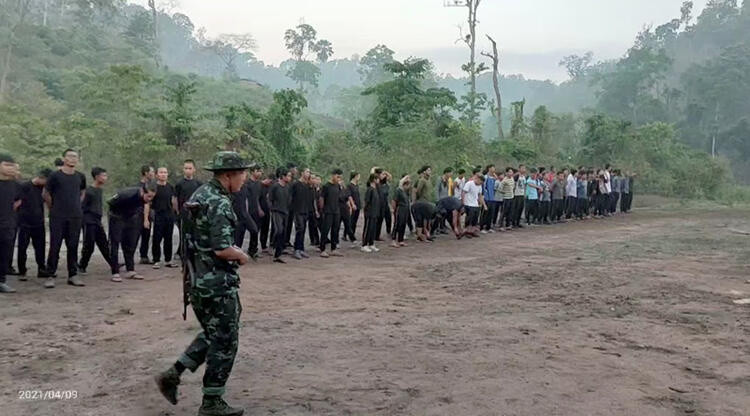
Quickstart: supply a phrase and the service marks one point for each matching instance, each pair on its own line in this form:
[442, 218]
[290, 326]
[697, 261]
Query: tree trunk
[496, 85]
[473, 6]
[6, 70]
[155, 34]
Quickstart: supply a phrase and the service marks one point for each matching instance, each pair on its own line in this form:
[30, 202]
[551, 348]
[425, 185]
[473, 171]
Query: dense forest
[128, 85]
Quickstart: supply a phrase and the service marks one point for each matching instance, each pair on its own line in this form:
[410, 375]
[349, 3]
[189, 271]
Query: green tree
[301, 42]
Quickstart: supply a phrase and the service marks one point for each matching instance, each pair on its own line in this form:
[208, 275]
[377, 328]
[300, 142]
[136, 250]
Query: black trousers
[123, 232]
[370, 231]
[602, 202]
[346, 219]
[68, 230]
[7, 238]
[558, 209]
[288, 229]
[570, 206]
[625, 202]
[94, 235]
[384, 216]
[583, 207]
[144, 237]
[163, 230]
[544, 208]
[518, 205]
[265, 225]
[489, 216]
[278, 223]
[300, 226]
[329, 232]
[252, 245]
[35, 235]
[532, 210]
[313, 225]
[507, 215]
[354, 219]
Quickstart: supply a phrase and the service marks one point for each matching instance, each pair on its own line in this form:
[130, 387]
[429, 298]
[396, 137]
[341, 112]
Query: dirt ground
[628, 316]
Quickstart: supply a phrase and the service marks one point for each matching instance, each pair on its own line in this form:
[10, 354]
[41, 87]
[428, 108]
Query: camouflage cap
[225, 161]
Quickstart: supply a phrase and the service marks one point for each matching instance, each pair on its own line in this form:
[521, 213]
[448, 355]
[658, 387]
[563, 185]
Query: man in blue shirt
[532, 197]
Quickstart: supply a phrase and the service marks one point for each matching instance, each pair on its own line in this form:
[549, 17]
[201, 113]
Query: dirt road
[628, 316]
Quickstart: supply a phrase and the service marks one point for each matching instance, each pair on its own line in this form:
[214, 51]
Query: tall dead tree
[155, 31]
[495, 57]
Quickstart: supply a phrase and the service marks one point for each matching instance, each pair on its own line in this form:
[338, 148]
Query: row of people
[284, 211]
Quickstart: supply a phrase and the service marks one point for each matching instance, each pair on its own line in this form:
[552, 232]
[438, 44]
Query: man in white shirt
[472, 199]
[571, 193]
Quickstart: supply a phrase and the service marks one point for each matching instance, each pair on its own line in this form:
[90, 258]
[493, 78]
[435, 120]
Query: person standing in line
[265, 224]
[345, 208]
[183, 190]
[384, 188]
[519, 196]
[63, 194]
[245, 222]
[329, 206]
[372, 211]
[444, 185]
[571, 193]
[148, 174]
[31, 224]
[582, 197]
[93, 231]
[458, 184]
[354, 194]
[545, 202]
[125, 223]
[507, 187]
[422, 209]
[294, 170]
[254, 192]
[558, 197]
[214, 293]
[488, 217]
[401, 211]
[10, 201]
[532, 197]
[624, 192]
[473, 200]
[302, 201]
[164, 209]
[444, 190]
[314, 214]
[615, 191]
[278, 201]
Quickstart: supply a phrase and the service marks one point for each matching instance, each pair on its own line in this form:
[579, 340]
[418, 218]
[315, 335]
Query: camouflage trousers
[217, 344]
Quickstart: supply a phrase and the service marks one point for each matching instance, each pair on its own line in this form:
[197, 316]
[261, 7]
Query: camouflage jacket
[212, 229]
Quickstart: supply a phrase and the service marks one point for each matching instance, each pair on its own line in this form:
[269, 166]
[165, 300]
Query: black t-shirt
[264, 189]
[184, 189]
[354, 192]
[31, 213]
[253, 191]
[10, 192]
[343, 199]
[239, 204]
[330, 194]
[162, 202]
[372, 202]
[65, 191]
[278, 198]
[92, 205]
[448, 204]
[126, 202]
[301, 197]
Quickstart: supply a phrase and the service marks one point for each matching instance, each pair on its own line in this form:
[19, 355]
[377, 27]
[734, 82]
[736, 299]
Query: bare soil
[627, 316]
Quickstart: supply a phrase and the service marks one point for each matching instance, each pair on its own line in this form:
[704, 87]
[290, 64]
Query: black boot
[216, 406]
[168, 382]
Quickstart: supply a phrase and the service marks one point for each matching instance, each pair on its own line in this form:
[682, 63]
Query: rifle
[187, 255]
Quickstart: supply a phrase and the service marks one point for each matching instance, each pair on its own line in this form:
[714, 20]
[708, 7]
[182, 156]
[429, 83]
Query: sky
[533, 35]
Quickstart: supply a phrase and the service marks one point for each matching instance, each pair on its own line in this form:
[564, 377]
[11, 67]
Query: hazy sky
[532, 34]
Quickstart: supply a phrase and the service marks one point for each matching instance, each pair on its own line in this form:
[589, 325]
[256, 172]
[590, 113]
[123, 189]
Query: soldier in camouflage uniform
[210, 237]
